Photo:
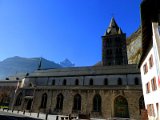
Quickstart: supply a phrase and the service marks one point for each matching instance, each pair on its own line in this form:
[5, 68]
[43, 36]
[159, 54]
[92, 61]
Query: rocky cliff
[134, 47]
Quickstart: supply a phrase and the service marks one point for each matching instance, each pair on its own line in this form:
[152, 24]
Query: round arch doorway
[121, 107]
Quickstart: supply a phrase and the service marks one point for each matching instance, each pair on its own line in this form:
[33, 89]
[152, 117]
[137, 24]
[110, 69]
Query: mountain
[18, 65]
[67, 63]
[134, 47]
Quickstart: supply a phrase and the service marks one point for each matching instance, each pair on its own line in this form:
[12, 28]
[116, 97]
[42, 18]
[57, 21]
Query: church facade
[110, 89]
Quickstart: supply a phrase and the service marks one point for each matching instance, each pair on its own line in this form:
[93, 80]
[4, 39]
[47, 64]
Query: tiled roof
[85, 71]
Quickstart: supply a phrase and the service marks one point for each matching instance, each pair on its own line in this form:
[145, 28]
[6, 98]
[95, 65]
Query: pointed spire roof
[113, 28]
[120, 31]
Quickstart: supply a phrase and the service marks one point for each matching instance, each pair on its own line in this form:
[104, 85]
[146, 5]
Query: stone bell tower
[114, 51]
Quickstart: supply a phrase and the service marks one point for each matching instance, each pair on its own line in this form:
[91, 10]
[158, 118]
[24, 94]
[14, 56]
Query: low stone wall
[38, 115]
[55, 117]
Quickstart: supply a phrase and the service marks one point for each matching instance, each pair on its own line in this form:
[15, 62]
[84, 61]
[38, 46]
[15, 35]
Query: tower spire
[120, 31]
[113, 28]
[114, 51]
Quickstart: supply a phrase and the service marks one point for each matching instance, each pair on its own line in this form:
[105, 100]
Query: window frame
[120, 82]
[44, 100]
[136, 81]
[145, 68]
[91, 82]
[151, 63]
[97, 103]
[53, 82]
[154, 84]
[77, 82]
[64, 82]
[148, 90]
[106, 81]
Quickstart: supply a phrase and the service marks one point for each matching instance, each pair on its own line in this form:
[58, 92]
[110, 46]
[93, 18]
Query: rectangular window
[157, 106]
[153, 83]
[151, 61]
[145, 68]
[150, 109]
[148, 87]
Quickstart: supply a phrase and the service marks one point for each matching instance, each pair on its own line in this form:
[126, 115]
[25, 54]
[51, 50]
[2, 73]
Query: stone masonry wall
[107, 96]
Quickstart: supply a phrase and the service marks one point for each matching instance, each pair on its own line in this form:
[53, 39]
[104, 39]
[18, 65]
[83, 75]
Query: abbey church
[109, 89]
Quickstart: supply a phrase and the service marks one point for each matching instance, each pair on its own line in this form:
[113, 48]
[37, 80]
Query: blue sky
[59, 29]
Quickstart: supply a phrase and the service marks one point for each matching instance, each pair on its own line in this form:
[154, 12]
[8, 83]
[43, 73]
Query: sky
[59, 29]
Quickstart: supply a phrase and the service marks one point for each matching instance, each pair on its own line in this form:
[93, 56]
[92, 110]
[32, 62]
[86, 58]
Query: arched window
[105, 81]
[59, 105]
[136, 81]
[77, 103]
[30, 84]
[141, 104]
[121, 107]
[19, 99]
[44, 101]
[109, 63]
[5, 99]
[97, 103]
[29, 104]
[53, 82]
[91, 81]
[77, 82]
[119, 81]
[64, 82]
